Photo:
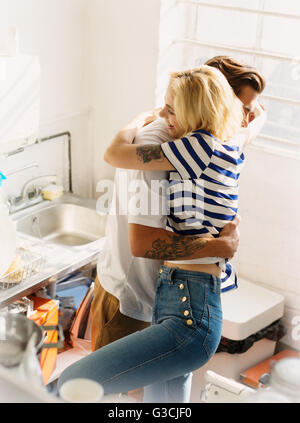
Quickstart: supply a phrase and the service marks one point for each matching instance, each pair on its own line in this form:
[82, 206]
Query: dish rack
[28, 264]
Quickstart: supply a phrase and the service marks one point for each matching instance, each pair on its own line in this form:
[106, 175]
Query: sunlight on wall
[19, 101]
[190, 34]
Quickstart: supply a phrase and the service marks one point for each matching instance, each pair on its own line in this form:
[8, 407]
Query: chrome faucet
[37, 190]
[31, 193]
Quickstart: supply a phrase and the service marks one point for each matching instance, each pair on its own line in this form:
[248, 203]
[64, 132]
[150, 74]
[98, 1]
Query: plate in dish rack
[27, 263]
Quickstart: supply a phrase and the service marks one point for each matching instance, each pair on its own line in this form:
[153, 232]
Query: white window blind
[262, 33]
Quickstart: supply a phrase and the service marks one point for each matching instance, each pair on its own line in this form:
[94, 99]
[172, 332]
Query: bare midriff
[212, 269]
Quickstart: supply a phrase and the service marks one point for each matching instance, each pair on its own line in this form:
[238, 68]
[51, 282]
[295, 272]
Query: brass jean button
[183, 299]
[181, 286]
[189, 322]
[160, 270]
[186, 312]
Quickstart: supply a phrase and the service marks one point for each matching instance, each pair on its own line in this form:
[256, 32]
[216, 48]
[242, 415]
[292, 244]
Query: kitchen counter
[59, 260]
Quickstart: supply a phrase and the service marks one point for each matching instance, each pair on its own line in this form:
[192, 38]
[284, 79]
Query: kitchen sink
[70, 225]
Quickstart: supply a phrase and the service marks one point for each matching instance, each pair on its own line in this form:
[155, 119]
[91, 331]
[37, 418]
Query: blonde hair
[203, 99]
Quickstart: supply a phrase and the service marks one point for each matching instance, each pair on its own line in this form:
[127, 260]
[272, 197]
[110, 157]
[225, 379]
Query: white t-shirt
[132, 279]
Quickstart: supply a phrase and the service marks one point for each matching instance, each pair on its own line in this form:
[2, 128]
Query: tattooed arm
[160, 244]
[123, 154]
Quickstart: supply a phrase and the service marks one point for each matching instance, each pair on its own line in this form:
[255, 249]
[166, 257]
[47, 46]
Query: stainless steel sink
[74, 235]
[64, 224]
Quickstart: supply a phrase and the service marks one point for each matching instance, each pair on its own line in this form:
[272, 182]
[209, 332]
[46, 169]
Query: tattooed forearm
[178, 247]
[147, 153]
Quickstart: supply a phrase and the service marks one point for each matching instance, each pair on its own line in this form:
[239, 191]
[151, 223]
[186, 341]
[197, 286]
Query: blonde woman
[204, 173]
[202, 112]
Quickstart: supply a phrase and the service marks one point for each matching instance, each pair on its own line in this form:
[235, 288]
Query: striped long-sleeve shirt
[203, 190]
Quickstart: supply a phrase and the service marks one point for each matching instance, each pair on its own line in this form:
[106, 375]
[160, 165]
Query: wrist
[217, 247]
[213, 246]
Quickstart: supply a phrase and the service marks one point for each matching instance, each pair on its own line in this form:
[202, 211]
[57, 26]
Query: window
[263, 33]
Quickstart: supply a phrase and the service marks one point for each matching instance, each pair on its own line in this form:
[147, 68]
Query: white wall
[123, 52]
[269, 252]
[55, 31]
[98, 61]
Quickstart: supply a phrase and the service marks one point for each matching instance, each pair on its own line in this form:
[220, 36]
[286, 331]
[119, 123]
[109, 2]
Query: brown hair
[238, 74]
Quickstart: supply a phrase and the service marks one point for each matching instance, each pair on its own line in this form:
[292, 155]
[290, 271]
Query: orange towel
[251, 376]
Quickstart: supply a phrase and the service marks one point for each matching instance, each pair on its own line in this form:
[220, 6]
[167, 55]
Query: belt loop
[215, 284]
[218, 285]
[170, 273]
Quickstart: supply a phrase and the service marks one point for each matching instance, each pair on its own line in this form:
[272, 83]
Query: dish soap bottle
[8, 238]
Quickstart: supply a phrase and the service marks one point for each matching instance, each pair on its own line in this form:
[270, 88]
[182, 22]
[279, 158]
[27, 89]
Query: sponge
[51, 192]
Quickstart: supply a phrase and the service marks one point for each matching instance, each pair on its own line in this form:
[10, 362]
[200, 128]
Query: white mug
[81, 390]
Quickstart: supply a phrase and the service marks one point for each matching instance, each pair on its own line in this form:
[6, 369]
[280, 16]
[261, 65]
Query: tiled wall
[269, 252]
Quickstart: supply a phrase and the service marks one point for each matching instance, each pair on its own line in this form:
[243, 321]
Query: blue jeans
[184, 335]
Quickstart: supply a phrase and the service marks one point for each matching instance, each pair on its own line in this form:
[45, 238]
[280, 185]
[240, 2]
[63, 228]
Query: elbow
[136, 250]
[107, 156]
[136, 241]
[113, 157]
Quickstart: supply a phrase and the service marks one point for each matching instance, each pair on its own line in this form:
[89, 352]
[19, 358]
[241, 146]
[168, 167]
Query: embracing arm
[160, 244]
[123, 154]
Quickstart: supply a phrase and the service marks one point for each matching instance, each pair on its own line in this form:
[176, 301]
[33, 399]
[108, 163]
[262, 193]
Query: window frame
[280, 145]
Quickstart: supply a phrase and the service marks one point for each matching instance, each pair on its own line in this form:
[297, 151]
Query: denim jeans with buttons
[184, 335]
